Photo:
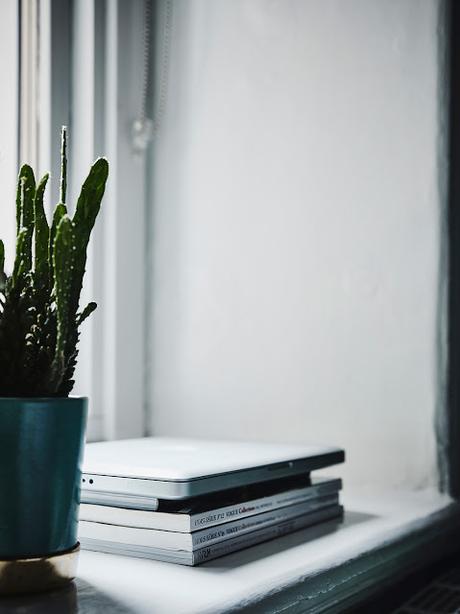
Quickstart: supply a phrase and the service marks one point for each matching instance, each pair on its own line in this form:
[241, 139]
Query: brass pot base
[34, 575]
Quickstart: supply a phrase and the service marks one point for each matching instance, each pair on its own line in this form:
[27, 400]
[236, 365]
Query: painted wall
[297, 197]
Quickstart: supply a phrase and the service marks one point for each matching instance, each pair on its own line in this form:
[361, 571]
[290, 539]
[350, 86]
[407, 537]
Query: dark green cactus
[40, 315]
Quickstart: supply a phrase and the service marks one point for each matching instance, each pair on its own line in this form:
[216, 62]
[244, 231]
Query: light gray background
[297, 190]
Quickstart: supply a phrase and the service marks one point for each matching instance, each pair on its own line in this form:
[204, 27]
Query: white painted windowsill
[313, 570]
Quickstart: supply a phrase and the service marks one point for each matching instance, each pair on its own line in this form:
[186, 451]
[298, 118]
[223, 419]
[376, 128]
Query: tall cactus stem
[63, 264]
[42, 234]
[22, 200]
[63, 182]
[2, 266]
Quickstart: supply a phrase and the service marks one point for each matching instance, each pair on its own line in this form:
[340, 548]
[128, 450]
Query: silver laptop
[181, 468]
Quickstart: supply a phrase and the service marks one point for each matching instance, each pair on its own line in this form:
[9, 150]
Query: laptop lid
[180, 468]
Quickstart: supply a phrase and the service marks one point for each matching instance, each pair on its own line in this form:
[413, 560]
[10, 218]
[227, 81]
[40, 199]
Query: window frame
[79, 80]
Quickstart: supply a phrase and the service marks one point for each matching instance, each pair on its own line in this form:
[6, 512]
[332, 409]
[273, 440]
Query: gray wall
[297, 196]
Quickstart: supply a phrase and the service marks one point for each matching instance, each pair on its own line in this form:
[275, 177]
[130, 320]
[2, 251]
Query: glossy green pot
[41, 443]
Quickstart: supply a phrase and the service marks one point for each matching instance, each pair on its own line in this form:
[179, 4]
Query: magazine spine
[283, 528]
[229, 530]
[262, 504]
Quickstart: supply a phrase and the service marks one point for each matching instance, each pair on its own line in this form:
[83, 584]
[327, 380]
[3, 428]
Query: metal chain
[144, 129]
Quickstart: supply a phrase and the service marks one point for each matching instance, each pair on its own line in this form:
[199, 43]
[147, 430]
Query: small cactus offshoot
[40, 314]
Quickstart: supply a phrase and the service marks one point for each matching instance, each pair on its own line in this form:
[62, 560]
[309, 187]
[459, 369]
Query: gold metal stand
[20, 576]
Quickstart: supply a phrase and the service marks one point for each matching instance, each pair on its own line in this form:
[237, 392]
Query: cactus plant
[40, 317]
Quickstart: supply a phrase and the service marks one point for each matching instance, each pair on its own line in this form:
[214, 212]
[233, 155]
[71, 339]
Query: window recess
[80, 68]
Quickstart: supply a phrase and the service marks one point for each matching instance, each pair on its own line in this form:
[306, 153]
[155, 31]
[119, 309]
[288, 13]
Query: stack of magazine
[198, 528]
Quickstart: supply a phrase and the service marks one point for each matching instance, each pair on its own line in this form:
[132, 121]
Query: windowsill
[381, 538]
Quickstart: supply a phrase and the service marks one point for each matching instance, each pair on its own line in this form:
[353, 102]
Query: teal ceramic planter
[41, 443]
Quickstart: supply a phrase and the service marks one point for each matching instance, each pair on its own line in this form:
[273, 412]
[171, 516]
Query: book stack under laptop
[125, 517]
